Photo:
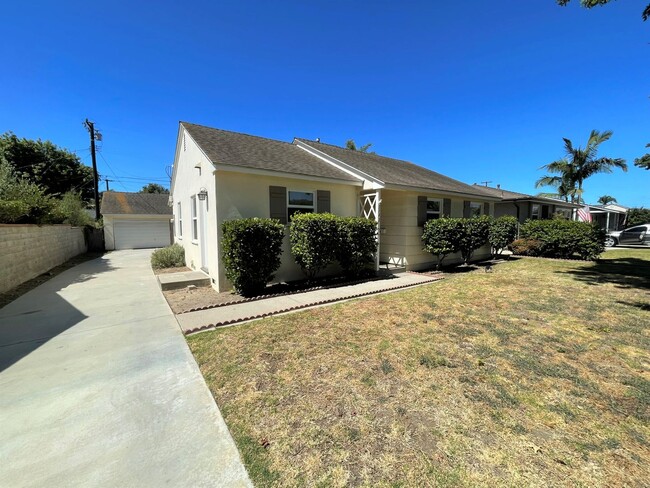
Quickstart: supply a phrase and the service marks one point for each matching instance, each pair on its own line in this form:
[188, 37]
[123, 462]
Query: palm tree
[606, 199]
[578, 165]
[643, 161]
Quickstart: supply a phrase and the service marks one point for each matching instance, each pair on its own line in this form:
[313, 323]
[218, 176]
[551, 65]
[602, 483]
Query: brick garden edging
[298, 307]
[275, 295]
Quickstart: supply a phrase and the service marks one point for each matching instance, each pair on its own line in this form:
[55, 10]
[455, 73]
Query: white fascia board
[281, 174]
[176, 153]
[337, 163]
[475, 196]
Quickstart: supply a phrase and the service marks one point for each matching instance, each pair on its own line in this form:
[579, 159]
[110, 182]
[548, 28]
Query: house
[220, 175]
[136, 220]
[525, 207]
[609, 217]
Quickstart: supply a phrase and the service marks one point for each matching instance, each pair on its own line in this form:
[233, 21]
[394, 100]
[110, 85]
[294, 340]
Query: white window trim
[179, 233]
[307, 207]
[480, 208]
[431, 212]
[195, 219]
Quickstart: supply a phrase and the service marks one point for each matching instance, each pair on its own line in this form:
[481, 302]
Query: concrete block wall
[27, 251]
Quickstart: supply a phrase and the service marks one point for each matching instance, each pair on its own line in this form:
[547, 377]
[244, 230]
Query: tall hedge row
[564, 238]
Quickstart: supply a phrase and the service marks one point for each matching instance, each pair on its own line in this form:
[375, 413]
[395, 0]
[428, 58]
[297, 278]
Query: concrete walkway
[99, 388]
[241, 312]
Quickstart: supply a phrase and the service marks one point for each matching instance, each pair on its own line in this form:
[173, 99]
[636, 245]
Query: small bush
[526, 247]
[314, 241]
[168, 257]
[251, 250]
[565, 238]
[475, 235]
[357, 244]
[72, 210]
[502, 232]
[442, 237]
[638, 216]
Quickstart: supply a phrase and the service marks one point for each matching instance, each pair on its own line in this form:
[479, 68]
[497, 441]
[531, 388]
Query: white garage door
[140, 234]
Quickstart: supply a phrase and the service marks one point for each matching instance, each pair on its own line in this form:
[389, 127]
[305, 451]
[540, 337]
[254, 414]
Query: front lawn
[536, 374]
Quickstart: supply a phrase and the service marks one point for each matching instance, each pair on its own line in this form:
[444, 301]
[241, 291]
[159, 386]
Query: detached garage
[136, 220]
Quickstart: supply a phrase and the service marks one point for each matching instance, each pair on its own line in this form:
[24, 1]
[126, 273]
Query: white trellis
[370, 203]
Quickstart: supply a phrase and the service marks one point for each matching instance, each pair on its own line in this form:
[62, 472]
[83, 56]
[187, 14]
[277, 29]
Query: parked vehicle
[639, 235]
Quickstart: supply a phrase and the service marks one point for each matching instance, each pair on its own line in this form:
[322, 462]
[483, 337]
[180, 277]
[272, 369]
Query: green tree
[643, 161]
[154, 188]
[54, 169]
[578, 165]
[637, 216]
[595, 3]
[21, 201]
[606, 199]
[350, 144]
[441, 237]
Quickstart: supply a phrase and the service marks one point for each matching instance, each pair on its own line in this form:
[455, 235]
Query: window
[195, 220]
[434, 208]
[179, 231]
[534, 212]
[300, 202]
[475, 209]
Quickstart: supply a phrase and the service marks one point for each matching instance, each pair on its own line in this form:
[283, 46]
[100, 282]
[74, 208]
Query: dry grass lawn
[537, 374]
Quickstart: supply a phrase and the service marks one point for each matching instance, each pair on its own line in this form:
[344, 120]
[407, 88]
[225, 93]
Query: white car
[639, 235]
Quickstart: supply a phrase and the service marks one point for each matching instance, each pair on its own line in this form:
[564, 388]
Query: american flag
[583, 214]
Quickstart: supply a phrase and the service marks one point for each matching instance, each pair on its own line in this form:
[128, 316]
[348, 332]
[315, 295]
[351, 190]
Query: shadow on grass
[641, 305]
[623, 272]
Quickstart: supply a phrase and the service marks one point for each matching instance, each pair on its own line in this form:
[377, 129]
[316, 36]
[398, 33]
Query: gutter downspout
[518, 220]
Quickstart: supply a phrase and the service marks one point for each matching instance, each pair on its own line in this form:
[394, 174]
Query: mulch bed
[10, 295]
[181, 269]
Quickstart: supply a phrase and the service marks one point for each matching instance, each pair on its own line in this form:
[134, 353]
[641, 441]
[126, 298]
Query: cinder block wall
[27, 251]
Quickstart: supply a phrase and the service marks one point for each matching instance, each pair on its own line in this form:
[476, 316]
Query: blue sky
[476, 90]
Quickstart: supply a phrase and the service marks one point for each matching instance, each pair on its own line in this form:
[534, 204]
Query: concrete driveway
[99, 388]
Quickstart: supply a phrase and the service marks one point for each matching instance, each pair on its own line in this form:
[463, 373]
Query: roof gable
[123, 203]
[253, 152]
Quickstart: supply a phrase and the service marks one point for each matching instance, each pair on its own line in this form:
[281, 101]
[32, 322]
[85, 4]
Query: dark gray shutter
[466, 208]
[446, 207]
[486, 208]
[422, 211]
[322, 201]
[278, 203]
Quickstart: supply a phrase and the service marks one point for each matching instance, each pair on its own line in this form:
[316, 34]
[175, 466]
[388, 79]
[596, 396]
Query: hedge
[475, 235]
[503, 231]
[314, 241]
[251, 250]
[442, 237]
[565, 238]
[357, 244]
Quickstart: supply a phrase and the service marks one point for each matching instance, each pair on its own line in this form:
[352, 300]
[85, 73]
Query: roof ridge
[238, 133]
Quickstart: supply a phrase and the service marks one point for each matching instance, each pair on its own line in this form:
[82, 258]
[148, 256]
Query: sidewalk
[100, 389]
[191, 322]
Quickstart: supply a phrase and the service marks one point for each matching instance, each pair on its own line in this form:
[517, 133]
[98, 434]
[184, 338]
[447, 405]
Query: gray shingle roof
[236, 149]
[512, 195]
[394, 171]
[115, 202]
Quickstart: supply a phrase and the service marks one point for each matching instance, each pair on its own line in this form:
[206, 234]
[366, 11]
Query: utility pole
[91, 129]
[107, 180]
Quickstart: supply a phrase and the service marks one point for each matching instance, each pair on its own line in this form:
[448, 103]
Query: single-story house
[136, 220]
[609, 217]
[220, 175]
[525, 207]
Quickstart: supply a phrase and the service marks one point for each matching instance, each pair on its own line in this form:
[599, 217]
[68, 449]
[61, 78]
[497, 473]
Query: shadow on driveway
[42, 314]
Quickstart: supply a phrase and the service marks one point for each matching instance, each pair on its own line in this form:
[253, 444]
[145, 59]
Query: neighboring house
[609, 217]
[220, 175]
[136, 220]
[525, 207]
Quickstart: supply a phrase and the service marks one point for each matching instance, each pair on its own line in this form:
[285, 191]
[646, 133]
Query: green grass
[537, 374]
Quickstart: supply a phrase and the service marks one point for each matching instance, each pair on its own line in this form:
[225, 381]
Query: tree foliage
[502, 232]
[54, 169]
[606, 199]
[351, 145]
[154, 188]
[595, 3]
[578, 165]
[643, 161]
[474, 236]
[22, 201]
[637, 216]
[357, 244]
[314, 241]
[563, 238]
[441, 237]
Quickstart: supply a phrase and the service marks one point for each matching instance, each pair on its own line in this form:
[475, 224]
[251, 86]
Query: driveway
[99, 388]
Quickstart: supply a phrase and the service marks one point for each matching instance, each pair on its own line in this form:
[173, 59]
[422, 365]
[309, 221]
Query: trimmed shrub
[357, 244]
[442, 237]
[314, 241]
[637, 216]
[475, 235]
[251, 250]
[565, 238]
[168, 257]
[526, 247]
[502, 232]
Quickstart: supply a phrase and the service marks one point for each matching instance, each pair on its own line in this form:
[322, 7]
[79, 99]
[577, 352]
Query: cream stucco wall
[401, 238]
[247, 195]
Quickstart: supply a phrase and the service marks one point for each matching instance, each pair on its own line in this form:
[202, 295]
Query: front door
[203, 233]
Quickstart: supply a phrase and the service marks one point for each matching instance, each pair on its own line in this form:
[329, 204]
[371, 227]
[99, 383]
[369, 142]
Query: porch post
[607, 224]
